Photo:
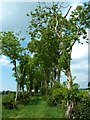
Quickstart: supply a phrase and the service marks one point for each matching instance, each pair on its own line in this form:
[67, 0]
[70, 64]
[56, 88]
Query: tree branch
[60, 6]
[68, 11]
[77, 34]
[56, 27]
[65, 6]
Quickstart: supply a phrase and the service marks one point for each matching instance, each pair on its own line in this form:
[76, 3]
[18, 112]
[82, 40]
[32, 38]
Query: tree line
[52, 37]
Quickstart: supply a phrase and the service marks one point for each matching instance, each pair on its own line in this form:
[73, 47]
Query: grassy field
[37, 107]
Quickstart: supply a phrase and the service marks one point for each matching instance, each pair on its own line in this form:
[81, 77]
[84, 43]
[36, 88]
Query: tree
[11, 48]
[22, 70]
[80, 20]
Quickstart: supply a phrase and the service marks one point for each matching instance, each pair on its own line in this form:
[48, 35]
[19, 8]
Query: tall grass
[37, 107]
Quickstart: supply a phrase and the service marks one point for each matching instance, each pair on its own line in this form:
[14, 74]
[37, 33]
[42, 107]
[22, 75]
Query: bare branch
[65, 6]
[60, 7]
[61, 3]
[68, 11]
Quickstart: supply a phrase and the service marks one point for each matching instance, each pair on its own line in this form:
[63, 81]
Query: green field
[37, 107]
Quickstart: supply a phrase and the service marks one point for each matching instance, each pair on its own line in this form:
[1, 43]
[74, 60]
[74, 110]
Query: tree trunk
[23, 91]
[51, 83]
[36, 89]
[70, 106]
[22, 85]
[70, 103]
[46, 80]
[31, 87]
[17, 91]
[22, 82]
[54, 74]
[59, 72]
[69, 78]
[46, 86]
[27, 92]
[68, 71]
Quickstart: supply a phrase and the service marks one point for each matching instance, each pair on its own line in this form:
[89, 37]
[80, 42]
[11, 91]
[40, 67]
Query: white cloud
[5, 62]
[73, 1]
[80, 51]
[81, 79]
[80, 65]
[80, 70]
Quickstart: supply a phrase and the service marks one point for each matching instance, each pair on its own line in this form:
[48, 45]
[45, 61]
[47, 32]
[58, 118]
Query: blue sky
[13, 18]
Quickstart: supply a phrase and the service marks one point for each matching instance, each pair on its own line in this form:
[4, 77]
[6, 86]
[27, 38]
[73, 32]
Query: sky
[13, 18]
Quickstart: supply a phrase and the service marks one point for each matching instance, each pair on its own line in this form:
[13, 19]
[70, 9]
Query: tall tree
[22, 70]
[44, 43]
[11, 48]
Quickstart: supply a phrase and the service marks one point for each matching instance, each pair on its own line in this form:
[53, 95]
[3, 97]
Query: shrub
[3, 92]
[56, 94]
[56, 85]
[61, 95]
[56, 97]
[80, 99]
[8, 101]
[80, 111]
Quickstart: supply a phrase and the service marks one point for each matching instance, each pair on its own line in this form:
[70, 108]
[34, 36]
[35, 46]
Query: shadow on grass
[35, 100]
[32, 100]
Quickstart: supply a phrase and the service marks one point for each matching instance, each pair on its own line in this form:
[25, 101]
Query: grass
[36, 108]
